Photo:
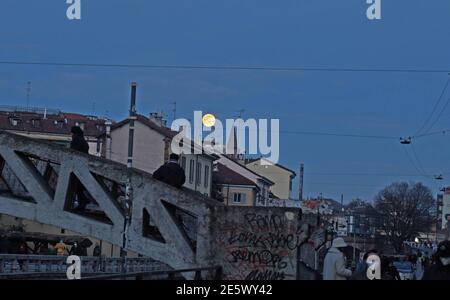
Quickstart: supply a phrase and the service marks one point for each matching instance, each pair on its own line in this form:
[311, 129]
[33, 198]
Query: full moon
[209, 120]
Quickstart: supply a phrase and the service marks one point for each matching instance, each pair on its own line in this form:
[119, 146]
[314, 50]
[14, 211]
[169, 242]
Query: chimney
[108, 124]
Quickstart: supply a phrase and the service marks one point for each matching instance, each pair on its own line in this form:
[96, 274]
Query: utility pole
[352, 229]
[128, 187]
[28, 94]
[108, 125]
[174, 110]
[300, 187]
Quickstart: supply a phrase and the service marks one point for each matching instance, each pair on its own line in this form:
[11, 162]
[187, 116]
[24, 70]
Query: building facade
[281, 176]
[234, 189]
[152, 148]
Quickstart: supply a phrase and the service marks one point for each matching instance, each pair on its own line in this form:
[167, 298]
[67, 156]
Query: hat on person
[443, 249]
[339, 243]
[174, 156]
[76, 130]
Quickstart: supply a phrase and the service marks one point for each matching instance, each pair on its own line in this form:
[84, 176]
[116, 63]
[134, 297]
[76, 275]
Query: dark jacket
[5, 246]
[79, 143]
[97, 251]
[437, 272]
[171, 173]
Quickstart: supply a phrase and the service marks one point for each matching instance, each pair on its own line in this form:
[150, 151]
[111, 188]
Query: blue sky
[290, 33]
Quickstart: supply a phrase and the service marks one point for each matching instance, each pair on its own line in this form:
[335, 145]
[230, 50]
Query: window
[238, 197]
[198, 174]
[183, 163]
[36, 122]
[79, 124]
[191, 170]
[290, 185]
[59, 123]
[14, 121]
[206, 181]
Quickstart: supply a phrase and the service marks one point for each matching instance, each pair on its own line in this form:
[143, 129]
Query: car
[405, 269]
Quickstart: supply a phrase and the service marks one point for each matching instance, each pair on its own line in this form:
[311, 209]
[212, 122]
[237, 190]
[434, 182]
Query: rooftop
[225, 175]
[48, 121]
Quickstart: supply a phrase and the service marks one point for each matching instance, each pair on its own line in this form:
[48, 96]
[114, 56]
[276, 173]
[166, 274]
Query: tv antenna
[28, 94]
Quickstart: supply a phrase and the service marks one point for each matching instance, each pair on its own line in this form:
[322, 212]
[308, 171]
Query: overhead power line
[340, 134]
[435, 106]
[411, 160]
[363, 174]
[443, 132]
[439, 115]
[229, 68]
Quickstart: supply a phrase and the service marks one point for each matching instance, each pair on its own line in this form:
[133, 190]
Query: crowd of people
[436, 267]
[8, 246]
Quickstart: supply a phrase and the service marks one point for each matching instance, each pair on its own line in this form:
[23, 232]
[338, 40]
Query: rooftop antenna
[240, 113]
[93, 108]
[174, 110]
[28, 94]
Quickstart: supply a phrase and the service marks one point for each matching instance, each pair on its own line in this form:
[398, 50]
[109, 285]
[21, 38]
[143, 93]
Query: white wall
[280, 176]
[148, 152]
[194, 185]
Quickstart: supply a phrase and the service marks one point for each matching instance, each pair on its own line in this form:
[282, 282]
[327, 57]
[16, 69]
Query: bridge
[41, 181]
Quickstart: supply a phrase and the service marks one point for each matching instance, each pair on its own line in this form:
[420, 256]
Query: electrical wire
[227, 68]
[419, 163]
[439, 116]
[435, 106]
[414, 164]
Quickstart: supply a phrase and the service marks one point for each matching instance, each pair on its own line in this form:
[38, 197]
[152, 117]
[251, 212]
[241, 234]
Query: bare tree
[407, 209]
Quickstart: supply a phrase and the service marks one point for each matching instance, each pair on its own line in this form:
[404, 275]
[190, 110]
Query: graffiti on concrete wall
[261, 244]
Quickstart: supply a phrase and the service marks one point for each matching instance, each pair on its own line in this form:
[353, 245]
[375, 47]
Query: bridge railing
[164, 274]
[45, 183]
[25, 264]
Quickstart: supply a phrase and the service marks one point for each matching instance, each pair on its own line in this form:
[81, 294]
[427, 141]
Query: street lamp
[351, 223]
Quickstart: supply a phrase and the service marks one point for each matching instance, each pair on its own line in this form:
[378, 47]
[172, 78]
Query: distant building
[51, 125]
[363, 221]
[281, 176]
[443, 215]
[234, 188]
[445, 207]
[152, 147]
[263, 195]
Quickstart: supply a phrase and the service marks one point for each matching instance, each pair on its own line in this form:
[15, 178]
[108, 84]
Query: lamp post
[351, 223]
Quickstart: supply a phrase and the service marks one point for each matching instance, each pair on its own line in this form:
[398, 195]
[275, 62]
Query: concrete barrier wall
[258, 243]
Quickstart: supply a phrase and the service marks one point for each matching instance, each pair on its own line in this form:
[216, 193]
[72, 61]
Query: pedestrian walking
[60, 248]
[360, 272]
[440, 270]
[97, 250]
[419, 266]
[334, 263]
